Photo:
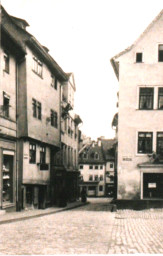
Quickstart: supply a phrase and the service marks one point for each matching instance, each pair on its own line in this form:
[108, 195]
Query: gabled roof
[90, 150]
[108, 149]
[113, 59]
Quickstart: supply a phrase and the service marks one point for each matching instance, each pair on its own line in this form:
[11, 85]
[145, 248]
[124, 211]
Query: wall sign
[151, 185]
[127, 158]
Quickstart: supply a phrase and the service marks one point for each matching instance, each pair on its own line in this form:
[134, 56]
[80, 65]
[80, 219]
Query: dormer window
[139, 57]
[96, 156]
[84, 155]
[160, 53]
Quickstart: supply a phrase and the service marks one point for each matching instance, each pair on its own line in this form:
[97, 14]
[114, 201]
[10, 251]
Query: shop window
[145, 142]
[146, 98]
[37, 67]
[6, 104]
[139, 56]
[37, 109]
[91, 188]
[160, 53]
[100, 188]
[160, 98]
[6, 62]
[42, 155]
[91, 167]
[32, 153]
[54, 119]
[7, 179]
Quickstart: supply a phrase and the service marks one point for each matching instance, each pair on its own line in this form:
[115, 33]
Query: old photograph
[81, 127]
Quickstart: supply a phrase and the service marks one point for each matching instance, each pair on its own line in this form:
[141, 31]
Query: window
[6, 62]
[96, 177]
[32, 153]
[90, 177]
[111, 165]
[91, 167]
[146, 98]
[160, 144]
[54, 82]
[101, 177]
[84, 155]
[36, 105]
[160, 98]
[37, 66]
[139, 56]
[6, 104]
[42, 155]
[160, 53]
[96, 167]
[81, 166]
[101, 167]
[54, 119]
[96, 155]
[101, 188]
[145, 142]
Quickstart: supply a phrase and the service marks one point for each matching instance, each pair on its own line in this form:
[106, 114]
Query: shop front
[8, 184]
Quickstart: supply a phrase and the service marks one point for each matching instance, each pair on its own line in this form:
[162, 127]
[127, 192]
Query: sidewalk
[34, 213]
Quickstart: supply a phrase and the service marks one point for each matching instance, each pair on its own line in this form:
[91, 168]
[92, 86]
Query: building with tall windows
[33, 88]
[140, 117]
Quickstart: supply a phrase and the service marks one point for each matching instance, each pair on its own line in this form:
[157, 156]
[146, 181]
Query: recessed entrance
[153, 185]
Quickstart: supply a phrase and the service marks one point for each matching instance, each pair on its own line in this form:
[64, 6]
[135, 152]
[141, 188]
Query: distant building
[96, 165]
[140, 118]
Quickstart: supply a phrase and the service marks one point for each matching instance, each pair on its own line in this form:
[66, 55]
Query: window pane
[146, 98]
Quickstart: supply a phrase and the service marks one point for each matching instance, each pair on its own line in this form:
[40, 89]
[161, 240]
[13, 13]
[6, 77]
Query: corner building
[140, 118]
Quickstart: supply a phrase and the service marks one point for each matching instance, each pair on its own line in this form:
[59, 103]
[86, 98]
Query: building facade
[140, 130]
[32, 88]
[96, 164]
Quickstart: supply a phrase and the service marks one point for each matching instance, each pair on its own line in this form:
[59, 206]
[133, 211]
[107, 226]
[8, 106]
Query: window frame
[54, 118]
[37, 109]
[160, 94]
[151, 141]
[157, 142]
[6, 107]
[141, 94]
[37, 67]
[32, 149]
[42, 154]
[160, 53]
[139, 57]
[6, 62]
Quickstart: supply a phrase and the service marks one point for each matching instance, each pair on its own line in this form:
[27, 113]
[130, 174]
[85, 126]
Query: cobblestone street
[88, 229]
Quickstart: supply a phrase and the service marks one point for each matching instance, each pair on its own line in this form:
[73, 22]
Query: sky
[82, 36]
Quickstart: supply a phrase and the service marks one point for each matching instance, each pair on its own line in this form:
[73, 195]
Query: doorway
[153, 185]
